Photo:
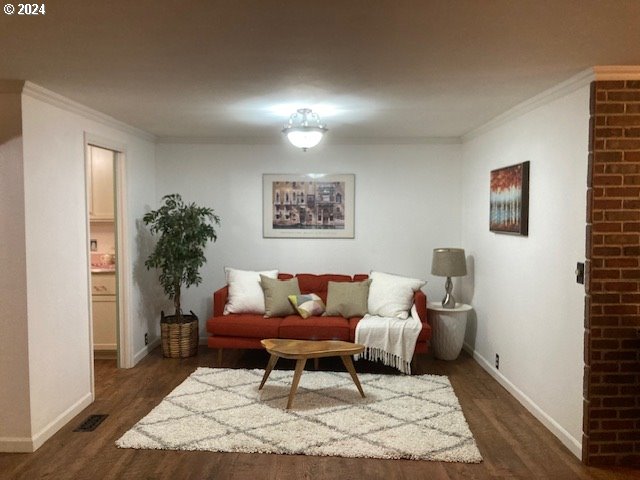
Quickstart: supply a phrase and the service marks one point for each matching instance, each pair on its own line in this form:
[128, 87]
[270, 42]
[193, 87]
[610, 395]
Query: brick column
[611, 429]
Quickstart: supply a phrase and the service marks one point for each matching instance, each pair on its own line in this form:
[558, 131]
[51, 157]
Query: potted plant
[184, 231]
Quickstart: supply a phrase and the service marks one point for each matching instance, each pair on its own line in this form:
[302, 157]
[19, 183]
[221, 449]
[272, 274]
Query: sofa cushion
[245, 294]
[347, 299]
[310, 283]
[314, 328]
[307, 305]
[276, 296]
[244, 325]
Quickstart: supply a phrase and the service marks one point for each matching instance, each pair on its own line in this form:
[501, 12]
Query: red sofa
[238, 330]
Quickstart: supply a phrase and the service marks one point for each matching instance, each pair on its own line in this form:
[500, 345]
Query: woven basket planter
[179, 340]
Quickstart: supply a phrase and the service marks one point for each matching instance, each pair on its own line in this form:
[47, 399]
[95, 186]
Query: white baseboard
[575, 446]
[28, 445]
[144, 351]
[65, 417]
[16, 445]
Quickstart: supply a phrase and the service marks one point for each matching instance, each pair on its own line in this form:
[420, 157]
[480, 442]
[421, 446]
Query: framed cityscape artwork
[509, 200]
[308, 206]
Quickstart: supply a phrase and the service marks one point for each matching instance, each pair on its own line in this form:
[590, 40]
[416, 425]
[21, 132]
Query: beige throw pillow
[347, 299]
[276, 296]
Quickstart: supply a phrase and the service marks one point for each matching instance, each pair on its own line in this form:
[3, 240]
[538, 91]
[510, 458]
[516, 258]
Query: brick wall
[612, 303]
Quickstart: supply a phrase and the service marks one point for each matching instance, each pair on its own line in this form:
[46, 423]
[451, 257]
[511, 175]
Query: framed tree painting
[509, 200]
[308, 206]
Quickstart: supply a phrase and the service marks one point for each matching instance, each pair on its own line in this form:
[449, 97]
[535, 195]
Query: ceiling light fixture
[304, 129]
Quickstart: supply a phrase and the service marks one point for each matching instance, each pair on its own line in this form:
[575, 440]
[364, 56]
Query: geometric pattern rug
[221, 410]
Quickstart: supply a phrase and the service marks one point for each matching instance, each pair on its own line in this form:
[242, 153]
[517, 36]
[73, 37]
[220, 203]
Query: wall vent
[91, 423]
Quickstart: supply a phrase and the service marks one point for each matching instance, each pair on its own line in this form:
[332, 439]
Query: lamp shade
[304, 137]
[449, 262]
[304, 129]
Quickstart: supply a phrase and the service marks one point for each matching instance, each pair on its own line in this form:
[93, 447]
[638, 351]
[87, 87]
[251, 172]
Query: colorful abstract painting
[509, 199]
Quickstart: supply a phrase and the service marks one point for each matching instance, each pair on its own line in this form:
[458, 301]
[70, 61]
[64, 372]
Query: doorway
[107, 254]
[101, 168]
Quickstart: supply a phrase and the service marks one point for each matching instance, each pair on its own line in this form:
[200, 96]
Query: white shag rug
[221, 410]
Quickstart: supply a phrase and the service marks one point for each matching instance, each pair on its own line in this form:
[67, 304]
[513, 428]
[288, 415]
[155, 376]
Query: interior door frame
[125, 344]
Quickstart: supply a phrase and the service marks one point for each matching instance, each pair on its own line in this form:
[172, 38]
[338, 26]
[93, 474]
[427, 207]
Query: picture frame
[308, 205]
[509, 200]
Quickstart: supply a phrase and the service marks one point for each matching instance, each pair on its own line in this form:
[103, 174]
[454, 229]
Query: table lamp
[448, 262]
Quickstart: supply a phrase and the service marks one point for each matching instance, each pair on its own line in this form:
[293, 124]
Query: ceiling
[373, 69]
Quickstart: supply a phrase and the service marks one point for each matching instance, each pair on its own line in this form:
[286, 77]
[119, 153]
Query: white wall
[407, 203]
[528, 307]
[15, 423]
[56, 253]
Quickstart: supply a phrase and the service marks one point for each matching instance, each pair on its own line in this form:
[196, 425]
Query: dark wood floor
[513, 443]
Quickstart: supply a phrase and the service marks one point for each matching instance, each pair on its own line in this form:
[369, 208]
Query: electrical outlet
[146, 339]
[497, 362]
[580, 273]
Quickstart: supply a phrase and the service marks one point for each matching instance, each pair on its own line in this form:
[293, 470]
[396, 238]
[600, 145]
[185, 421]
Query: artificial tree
[184, 230]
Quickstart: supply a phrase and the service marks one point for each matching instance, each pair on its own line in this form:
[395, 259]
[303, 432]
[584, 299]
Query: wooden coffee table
[301, 350]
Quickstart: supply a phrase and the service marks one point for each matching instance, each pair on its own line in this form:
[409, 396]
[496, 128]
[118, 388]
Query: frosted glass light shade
[304, 137]
[304, 129]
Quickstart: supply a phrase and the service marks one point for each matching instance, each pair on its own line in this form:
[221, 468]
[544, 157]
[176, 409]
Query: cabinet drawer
[103, 284]
[102, 202]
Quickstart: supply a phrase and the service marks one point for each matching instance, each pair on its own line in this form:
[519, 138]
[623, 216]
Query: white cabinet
[103, 299]
[101, 177]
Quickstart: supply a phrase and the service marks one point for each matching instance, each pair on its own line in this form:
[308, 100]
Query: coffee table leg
[296, 379]
[272, 363]
[346, 359]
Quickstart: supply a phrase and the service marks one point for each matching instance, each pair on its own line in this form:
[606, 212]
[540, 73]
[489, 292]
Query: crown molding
[398, 141]
[40, 93]
[617, 72]
[570, 85]
[276, 140]
[218, 140]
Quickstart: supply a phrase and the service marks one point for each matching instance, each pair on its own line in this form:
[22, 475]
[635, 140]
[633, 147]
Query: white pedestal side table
[449, 325]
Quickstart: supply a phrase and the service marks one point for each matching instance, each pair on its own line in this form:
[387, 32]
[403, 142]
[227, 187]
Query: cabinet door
[104, 323]
[101, 184]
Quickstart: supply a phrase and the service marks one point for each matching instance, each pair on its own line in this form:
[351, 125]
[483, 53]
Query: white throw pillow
[392, 295]
[245, 293]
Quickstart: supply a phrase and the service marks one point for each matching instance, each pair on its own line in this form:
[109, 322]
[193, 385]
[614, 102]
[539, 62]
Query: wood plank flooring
[513, 443]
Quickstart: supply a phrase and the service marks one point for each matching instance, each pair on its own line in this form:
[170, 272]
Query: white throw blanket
[389, 339]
